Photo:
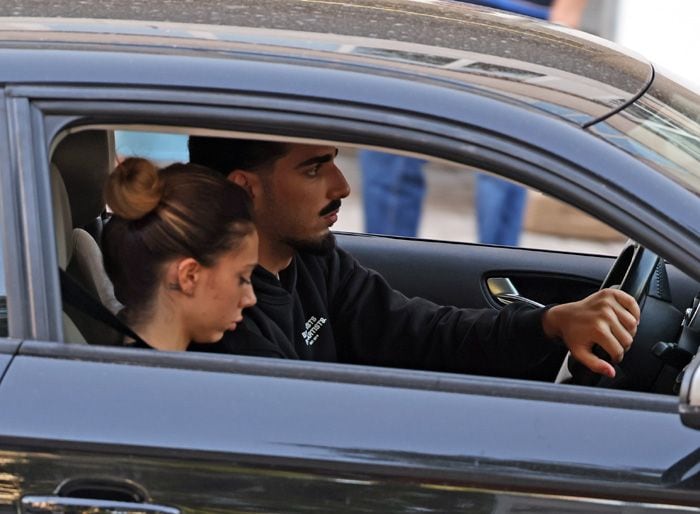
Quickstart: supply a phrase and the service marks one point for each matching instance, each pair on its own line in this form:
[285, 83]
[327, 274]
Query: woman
[180, 249]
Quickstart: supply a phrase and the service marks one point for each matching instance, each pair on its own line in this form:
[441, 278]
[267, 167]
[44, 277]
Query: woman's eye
[245, 281]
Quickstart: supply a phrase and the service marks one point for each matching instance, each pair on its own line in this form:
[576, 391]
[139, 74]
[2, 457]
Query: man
[316, 302]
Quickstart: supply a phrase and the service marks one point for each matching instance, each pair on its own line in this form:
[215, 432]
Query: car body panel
[8, 347]
[275, 414]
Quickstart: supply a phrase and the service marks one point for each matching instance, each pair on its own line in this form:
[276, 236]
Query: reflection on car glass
[632, 145]
[504, 72]
[400, 55]
[661, 136]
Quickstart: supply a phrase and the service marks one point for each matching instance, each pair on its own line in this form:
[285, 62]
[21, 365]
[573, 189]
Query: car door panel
[8, 347]
[455, 273]
[201, 431]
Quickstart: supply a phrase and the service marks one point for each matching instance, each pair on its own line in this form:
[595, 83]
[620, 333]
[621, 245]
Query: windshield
[663, 129]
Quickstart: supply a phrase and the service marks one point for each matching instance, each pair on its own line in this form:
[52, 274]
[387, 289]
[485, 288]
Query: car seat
[83, 161]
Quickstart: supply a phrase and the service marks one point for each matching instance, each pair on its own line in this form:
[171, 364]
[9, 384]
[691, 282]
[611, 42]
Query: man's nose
[339, 187]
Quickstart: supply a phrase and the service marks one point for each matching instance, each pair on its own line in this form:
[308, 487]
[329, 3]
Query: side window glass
[405, 196]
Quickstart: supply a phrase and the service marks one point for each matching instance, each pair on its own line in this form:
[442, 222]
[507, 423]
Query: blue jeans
[499, 210]
[393, 189]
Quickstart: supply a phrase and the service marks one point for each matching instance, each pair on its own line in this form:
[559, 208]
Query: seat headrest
[85, 160]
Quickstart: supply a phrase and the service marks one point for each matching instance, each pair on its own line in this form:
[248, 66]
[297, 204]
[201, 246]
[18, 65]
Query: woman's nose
[249, 299]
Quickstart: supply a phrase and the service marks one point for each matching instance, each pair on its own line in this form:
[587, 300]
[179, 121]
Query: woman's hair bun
[134, 188]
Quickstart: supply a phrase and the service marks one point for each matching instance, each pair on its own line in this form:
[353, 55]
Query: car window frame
[57, 110]
[292, 117]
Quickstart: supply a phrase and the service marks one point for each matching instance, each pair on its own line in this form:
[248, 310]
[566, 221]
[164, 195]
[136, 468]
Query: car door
[116, 429]
[120, 430]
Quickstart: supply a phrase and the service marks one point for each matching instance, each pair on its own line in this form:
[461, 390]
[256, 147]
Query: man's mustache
[333, 206]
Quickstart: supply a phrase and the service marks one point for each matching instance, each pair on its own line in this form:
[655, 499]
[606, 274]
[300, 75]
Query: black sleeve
[375, 324]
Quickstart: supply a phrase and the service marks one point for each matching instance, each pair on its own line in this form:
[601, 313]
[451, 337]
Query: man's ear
[247, 180]
[187, 275]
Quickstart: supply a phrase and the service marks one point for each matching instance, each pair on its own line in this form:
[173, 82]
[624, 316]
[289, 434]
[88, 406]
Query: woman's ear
[187, 273]
[245, 179]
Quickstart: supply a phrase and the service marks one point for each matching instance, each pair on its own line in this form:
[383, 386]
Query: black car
[101, 428]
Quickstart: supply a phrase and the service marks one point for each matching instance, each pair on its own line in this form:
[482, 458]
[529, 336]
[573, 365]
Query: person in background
[500, 204]
[180, 249]
[393, 186]
[393, 189]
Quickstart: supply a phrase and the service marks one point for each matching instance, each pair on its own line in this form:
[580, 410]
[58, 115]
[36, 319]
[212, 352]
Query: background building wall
[665, 32]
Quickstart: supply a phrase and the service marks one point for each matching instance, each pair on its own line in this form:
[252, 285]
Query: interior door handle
[505, 292]
[67, 505]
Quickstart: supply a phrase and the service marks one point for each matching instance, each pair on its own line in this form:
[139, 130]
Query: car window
[406, 196]
[447, 197]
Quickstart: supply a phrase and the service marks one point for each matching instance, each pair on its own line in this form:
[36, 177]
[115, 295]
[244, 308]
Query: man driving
[316, 302]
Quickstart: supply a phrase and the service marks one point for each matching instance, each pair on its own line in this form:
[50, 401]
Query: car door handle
[67, 505]
[505, 292]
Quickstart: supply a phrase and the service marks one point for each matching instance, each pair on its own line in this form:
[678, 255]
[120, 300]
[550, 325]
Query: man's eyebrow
[319, 159]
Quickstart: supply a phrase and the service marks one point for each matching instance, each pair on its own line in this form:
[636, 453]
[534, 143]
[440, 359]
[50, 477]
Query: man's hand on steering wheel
[607, 318]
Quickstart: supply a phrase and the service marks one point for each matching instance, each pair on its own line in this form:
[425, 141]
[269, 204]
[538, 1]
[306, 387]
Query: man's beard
[321, 246]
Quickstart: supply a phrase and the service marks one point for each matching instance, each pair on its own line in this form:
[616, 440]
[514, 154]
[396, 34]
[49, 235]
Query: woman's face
[223, 291]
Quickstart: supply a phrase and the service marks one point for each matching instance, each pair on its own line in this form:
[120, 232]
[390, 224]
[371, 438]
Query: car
[99, 427]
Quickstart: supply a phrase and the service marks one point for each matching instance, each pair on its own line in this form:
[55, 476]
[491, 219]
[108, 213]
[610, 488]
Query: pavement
[449, 214]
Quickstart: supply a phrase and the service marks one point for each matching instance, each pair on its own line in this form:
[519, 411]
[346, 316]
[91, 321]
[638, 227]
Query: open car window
[563, 258]
[399, 195]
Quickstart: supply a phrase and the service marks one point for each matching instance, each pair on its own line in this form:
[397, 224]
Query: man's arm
[376, 325]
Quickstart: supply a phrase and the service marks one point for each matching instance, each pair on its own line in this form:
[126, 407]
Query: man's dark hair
[225, 155]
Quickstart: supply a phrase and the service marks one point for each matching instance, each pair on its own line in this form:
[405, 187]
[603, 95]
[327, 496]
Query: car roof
[566, 73]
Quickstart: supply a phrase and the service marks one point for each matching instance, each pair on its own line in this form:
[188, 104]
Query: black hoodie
[330, 308]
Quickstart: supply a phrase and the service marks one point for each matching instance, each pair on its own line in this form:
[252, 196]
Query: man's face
[299, 198]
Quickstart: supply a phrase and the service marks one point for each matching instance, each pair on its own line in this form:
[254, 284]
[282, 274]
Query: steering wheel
[631, 272]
